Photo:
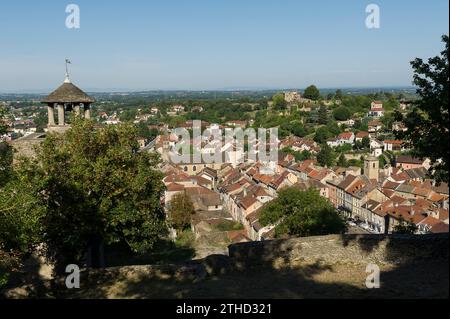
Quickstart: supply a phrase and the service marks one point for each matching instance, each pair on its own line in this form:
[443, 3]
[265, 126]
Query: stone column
[76, 109]
[51, 114]
[87, 111]
[61, 114]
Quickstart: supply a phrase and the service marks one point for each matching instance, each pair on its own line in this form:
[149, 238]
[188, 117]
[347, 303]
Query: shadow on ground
[406, 274]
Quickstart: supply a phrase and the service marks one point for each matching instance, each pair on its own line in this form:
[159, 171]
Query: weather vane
[67, 71]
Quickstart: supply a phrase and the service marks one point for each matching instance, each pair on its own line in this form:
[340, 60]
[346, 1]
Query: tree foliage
[181, 210]
[312, 93]
[94, 188]
[323, 115]
[6, 152]
[302, 213]
[428, 122]
[325, 157]
[342, 161]
[20, 216]
[279, 103]
[322, 134]
[342, 113]
[404, 227]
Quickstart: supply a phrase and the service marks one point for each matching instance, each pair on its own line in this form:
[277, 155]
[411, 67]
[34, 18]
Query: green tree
[322, 134]
[361, 125]
[342, 161]
[323, 115]
[279, 103]
[6, 152]
[302, 213]
[382, 161]
[95, 189]
[388, 120]
[334, 128]
[128, 115]
[312, 93]
[325, 157]
[20, 216]
[181, 210]
[365, 142]
[144, 131]
[338, 94]
[41, 121]
[342, 113]
[428, 123]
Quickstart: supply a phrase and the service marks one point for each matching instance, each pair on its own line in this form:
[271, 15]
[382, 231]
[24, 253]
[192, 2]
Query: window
[194, 168]
[185, 169]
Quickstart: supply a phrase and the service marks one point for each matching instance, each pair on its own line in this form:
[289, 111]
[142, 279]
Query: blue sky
[216, 44]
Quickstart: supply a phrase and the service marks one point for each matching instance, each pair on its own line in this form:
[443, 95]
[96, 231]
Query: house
[171, 190]
[332, 190]
[305, 185]
[408, 162]
[204, 199]
[141, 141]
[248, 205]
[198, 109]
[374, 126]
[349, 123]
[286, 179]
[393, 145]
[432, 225]
[240, 124]
[333, 142]
[291, 97]
[405, 104]
[344, 201]
[376, 109]
[299, 144]
[178, 108]
[346, 138]
[195, 168]
[399, 127]
[360, 135]
[374, 216]
[376, 147]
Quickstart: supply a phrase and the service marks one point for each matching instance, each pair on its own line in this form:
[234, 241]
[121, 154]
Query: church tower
[66, 98]
[371, 167]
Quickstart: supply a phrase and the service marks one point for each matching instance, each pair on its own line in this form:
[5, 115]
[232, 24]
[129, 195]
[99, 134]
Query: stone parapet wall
[380, 249]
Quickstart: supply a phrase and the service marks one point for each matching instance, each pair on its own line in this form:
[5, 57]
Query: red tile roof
[362, 134]
[174, 187]
[346, 135]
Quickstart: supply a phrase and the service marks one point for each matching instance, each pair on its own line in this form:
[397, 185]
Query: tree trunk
[96, 257]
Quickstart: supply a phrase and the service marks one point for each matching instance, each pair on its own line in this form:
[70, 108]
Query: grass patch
[185, 239]
[229, 226]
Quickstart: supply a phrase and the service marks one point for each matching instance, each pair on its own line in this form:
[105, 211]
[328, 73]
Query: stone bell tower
[66, 98]
[371, 167]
